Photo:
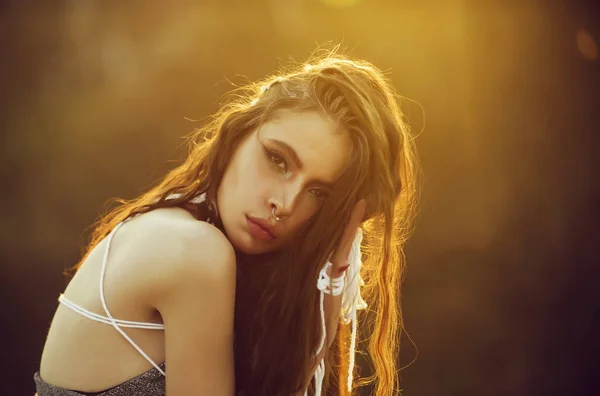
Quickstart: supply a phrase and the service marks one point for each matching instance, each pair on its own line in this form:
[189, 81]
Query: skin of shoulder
[189, 276]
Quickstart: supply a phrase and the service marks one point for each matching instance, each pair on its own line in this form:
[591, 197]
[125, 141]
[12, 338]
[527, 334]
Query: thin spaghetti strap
[103, 319]
[112, 320]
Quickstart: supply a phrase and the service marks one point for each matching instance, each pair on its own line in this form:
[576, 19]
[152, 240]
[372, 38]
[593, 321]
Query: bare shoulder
[191, 270]
[175, 249]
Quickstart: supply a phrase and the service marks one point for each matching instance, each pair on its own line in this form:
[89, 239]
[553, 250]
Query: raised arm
[331, 303]
[332, 306]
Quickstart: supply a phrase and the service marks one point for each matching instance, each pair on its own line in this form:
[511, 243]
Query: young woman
[231, 275]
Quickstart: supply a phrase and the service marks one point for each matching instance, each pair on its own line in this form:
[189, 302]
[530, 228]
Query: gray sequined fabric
[150, 383]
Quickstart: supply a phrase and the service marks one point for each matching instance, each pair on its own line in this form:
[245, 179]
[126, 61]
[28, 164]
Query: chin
[243, 242]
[251, 247]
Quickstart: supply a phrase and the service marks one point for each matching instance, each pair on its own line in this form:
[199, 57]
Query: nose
[284, 201]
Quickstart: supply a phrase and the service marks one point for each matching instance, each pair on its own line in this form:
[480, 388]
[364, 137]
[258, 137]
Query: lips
[260, 229]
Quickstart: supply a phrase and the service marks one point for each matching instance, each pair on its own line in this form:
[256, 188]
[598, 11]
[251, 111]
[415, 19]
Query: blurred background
[501, 295]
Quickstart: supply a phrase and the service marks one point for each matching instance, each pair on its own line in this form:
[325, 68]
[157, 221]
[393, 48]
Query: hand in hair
[339, 259]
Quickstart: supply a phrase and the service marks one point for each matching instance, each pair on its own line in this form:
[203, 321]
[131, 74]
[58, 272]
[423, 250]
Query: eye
[319, 194]
[277, 160]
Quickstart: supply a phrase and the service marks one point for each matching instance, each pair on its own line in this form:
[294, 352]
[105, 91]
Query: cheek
[236, 180]
[259, 171]
[250, 178]
[306, 210]
[303, 215]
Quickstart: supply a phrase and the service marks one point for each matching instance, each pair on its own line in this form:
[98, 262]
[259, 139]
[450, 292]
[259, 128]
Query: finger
[340, 256]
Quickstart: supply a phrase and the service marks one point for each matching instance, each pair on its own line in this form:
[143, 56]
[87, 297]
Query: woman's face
[288, 165]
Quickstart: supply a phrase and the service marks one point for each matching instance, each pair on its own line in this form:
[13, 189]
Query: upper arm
[196, 299]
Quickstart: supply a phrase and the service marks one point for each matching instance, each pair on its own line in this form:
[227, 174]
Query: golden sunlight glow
[340, 3]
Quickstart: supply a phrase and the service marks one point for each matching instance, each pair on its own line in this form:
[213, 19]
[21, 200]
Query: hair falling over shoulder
[277, 326]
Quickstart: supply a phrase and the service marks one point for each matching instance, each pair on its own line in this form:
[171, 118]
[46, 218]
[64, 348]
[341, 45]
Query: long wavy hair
[277, 318]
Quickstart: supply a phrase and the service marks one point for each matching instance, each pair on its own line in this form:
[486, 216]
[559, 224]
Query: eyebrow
[297, 161]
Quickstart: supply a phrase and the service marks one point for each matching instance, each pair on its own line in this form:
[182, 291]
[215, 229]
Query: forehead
[321, 144]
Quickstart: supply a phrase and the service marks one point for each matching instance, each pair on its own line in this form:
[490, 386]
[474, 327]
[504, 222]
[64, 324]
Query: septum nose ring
[274, 215]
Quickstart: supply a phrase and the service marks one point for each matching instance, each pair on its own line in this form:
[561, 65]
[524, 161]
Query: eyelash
[322, 198]
[277, 160]
[274, 157]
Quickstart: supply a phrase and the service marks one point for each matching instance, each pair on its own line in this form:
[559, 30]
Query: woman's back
[90, 356]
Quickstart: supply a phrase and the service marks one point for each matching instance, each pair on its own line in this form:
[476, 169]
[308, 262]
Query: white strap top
[109, 319]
